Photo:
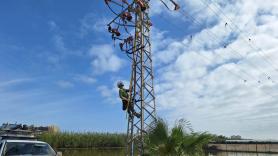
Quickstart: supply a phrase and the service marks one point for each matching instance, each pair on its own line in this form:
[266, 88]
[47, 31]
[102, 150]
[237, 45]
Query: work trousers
[130, 108]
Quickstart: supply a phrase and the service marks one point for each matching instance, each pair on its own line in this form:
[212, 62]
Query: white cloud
[105, 91]
[65, 84]
[59, 43]
[85, 79]
[7, 84]
[52, 25]
[104, 59]
[109, 94]
[13, 82]
[61, 48]
[37, 105]
[92, 22]
[203, 81]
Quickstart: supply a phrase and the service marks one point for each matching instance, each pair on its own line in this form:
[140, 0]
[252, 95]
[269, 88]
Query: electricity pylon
[132, 18]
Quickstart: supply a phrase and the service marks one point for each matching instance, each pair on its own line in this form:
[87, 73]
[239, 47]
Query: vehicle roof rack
[17, 135]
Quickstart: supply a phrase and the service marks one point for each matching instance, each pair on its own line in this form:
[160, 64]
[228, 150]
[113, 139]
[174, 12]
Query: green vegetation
[93, 152]
[220, 138]
[178, 141]
[83, 140]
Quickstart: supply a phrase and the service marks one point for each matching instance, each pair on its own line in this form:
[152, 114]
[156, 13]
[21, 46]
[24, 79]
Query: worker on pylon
[127, 104]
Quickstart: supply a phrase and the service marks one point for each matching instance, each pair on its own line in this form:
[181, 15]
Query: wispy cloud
[92, 22]
[38, 106]
[65, 84]
[60, 50]
[59, 43]
[14, 82]
[85, 79]
[52, 25]
[110, 94]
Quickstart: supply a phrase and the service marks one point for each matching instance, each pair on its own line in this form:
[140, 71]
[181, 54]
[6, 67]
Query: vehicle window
[21, 148]
[1, 146]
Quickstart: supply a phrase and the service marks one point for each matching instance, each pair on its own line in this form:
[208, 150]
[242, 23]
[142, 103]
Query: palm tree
[179, 141]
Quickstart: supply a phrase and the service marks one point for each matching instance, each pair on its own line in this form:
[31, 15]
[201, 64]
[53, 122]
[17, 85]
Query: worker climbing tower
[131, 30]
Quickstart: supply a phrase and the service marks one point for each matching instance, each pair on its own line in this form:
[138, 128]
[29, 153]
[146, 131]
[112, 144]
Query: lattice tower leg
[142, 86]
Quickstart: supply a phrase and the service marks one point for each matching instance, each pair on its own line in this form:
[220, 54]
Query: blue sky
[46, 77]
[58, 66]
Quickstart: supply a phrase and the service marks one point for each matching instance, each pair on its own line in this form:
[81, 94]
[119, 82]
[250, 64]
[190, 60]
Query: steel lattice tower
[131, 28]
[142, 85]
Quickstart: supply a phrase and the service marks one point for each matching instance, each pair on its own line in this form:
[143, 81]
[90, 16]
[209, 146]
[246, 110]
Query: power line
[224, 67]
[208, 59]
[215, 37]
[268, 61]
[258, 86]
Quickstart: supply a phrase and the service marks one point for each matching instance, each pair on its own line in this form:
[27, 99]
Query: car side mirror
[59, 154]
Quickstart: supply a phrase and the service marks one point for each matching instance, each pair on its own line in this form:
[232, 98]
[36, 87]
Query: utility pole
[131, 29]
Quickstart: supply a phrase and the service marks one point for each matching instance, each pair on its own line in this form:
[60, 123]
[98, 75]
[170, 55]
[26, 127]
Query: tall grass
[83, 140]
[180, 140]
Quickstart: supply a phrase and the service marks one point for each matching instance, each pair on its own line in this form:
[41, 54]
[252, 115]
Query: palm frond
[181, 141]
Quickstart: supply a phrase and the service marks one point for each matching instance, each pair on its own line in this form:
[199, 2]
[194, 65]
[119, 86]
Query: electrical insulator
[127, 16]
[107, 1]
[129, 40]
[121, 46]
[116, 32]
[142, 5]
